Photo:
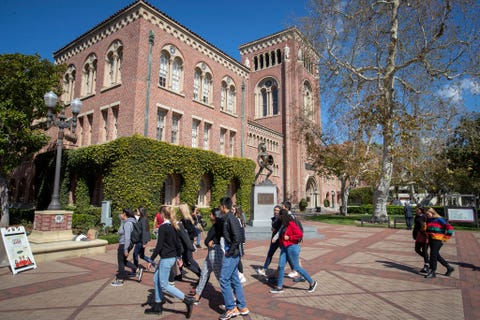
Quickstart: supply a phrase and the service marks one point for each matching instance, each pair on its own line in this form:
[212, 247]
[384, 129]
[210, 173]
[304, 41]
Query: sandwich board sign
[17, 249]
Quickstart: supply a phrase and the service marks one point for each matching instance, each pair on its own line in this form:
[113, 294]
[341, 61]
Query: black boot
[155, 309]
[431, 274]
[449, 271]
[425, 269]
[188, 300]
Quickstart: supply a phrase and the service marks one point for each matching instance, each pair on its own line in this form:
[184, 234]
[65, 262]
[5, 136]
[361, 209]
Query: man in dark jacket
[229, 280]
[407, 210]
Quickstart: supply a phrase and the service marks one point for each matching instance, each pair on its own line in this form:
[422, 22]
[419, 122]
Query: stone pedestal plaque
[264, 200]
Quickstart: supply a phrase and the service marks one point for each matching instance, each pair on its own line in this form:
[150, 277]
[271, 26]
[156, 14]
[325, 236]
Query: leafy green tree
[24, 79]
[392, 57]
[463, 155]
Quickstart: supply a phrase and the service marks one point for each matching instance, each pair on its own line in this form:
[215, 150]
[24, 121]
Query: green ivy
[133, 171]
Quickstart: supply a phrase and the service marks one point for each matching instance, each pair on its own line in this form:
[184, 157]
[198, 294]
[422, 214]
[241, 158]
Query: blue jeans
[139, 251]
[157, 286]
[229, 282]
[271, 251]
[199, 236]
[164, 267]
[292, 253]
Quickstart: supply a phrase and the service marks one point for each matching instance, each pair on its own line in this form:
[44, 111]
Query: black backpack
[299, 224]
[136, 235]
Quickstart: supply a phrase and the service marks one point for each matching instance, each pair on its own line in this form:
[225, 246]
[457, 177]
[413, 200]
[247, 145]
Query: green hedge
[81, 222]
[134, 169]
[391, 210]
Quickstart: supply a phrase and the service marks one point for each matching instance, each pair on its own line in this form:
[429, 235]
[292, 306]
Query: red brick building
[140, 71]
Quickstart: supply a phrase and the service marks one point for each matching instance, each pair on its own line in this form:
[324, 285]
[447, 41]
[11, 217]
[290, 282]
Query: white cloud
[471, 85]
[456, 91]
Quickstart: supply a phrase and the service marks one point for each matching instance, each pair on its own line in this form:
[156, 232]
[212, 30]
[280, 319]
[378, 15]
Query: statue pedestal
[51, 225]
[52, 238]
[264, 200]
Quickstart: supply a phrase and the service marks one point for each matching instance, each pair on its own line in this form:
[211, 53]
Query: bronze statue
[265, 161]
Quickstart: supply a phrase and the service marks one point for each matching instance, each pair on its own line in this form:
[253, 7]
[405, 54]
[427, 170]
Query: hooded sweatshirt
[125, 231]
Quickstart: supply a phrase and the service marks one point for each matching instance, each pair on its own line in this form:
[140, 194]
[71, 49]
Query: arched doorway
[312, 193]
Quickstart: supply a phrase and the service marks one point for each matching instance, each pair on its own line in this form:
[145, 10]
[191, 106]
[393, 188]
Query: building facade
[142, 72]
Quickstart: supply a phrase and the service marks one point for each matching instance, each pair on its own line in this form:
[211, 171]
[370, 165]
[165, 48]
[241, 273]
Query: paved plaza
[362, 273]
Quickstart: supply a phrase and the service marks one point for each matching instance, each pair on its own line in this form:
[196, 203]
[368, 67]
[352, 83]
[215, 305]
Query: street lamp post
[61, 122]
[333, 199]
[315, 193]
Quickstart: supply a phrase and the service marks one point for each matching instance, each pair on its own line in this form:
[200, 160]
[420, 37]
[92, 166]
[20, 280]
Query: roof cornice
[142, 9]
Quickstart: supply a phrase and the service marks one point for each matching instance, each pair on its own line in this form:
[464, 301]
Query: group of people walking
[175, 247]
[430, 231]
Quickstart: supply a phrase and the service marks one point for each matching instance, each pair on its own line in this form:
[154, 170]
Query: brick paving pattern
[362, 273]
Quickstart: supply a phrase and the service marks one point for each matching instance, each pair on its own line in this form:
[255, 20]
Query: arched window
[113, 64]
[171, 188]
[308, 100]
[171, 69]
[176, 74]
[69, 84]
[228, 96]
[202, 84]
[164, 58]
[266, 98]
[89, 75]
[204, 192]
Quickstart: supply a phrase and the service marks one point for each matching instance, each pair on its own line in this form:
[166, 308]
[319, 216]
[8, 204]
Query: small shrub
[303, 204]
[326, 203]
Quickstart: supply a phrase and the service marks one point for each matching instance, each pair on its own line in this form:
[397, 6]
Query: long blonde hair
[169, 214]
[433, 213]
[185, 211]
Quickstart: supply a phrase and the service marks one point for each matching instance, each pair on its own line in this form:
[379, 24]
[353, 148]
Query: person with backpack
[140, 237]
[276, 223]
[287, 205]
[290, 235]
[124, 246]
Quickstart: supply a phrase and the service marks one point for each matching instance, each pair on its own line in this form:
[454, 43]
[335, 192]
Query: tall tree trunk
[5, 216]
[387, 88]
[345, 190]
[380, 196]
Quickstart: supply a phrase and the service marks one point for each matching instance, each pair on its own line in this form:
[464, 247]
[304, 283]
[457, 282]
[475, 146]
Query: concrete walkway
[362, 273]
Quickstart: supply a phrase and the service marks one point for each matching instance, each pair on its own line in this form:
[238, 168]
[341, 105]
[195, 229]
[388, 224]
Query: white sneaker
[261, 272]
[117, 283]
[242, 278]
[293, 274]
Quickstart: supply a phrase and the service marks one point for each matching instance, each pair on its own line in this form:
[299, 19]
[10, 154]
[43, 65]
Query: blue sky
[45, 26]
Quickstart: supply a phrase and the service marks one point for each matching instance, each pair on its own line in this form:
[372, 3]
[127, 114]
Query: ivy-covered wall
[134, 169]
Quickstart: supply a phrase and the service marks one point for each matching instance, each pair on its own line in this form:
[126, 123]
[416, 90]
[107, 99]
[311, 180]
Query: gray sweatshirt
[125, 231]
